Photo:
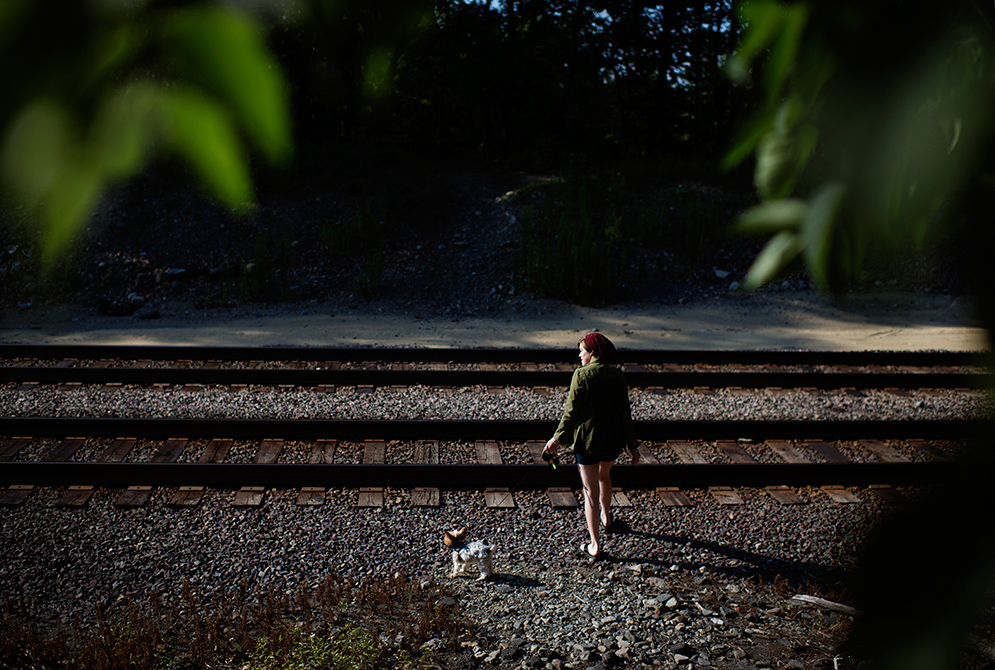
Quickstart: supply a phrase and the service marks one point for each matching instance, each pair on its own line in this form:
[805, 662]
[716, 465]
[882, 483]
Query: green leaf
[783, 152]
[772, 216]
[37, 141]
[819, 229]
[72, 198]
[957, 127]
[763, 21]
[780, 250]
[375, 84]
[784, 52]
[113, 48]
[775, 174]
[123, 132]
[44, 158]
[748, 138]
[200, 130]
[808, 141]
[225, 52]
[789, 113]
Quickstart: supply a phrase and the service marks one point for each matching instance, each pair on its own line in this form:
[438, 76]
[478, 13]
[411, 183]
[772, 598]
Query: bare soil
[431, 261]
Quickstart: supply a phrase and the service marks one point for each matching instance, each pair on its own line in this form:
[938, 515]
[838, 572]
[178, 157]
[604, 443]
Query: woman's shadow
[748, 563]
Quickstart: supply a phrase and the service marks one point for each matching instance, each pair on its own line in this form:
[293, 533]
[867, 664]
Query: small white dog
[465, 553]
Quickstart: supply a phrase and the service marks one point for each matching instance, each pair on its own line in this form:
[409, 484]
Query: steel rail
[471, 477]
[639, 379]
[310, 429]
[492, 355]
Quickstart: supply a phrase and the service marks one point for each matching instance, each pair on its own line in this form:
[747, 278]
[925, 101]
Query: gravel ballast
[698, 586]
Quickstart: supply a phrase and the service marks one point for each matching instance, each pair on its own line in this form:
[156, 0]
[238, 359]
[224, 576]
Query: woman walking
[597, 422]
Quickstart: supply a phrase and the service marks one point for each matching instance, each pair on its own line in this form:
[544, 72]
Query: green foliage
[123, 646]
[571, 248]
[363, 237]
[224, 53]
[874, 155]
[337, 626]
[876, 133]
[266, 276]
[349, 648]
[587, 239]
[102, 88]
[689, 222]
[533, 80]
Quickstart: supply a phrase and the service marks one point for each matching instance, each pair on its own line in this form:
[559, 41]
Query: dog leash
[548, 457]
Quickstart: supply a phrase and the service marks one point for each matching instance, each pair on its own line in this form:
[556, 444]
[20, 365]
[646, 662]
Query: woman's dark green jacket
[597, 420]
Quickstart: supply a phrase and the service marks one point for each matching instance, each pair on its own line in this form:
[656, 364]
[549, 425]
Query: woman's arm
[565, 430]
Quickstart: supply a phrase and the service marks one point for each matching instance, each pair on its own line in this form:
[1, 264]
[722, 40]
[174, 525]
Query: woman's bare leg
[605, 487]
[591, 480]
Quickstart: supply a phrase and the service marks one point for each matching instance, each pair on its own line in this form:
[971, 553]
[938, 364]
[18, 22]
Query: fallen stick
[825, 604]
[979, 646]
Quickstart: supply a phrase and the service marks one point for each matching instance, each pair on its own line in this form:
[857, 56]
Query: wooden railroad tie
[886, 454]
[789, 454]
[670, 496]
[836, 493]
[252, 496]
[424, 496]
[108, 387]
[190, 496]
[929, 449]
[79, 495]
[373, 454]
[489, 454]
[782, 494]
[322, 453]
[18, 493]
[137, 496]
[67, 363]
[687, 453]
[10, 447]
[560, 497]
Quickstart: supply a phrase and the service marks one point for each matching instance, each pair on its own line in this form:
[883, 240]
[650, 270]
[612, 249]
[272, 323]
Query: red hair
[600, 346]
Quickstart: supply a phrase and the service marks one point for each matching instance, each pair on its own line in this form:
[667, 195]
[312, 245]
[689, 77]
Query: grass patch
[573, 243]
[590, 240]
[266, 276]
[362, 238]
[338, 625]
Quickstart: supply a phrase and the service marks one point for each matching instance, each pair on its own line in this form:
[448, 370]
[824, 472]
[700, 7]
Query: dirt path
[892, 321]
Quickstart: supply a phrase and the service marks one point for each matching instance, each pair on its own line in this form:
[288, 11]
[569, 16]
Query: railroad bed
[369, 467]
[228, 396]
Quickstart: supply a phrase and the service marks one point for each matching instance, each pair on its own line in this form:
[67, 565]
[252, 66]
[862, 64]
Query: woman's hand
[552, 445]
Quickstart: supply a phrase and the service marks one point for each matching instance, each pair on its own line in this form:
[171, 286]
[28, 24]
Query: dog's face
[456, 538]
[466, 554]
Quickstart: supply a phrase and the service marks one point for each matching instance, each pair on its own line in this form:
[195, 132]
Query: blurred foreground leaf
[225, 54]
[200, 130]
[99, 90]
[779, 251]
[874, 133]
[772, 216]
[887, 150]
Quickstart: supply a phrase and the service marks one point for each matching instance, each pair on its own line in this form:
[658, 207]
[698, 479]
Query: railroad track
[328, 368]
[669, 468]
[808, 453]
